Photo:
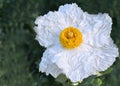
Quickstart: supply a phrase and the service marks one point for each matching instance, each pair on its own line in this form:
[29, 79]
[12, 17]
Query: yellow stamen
[70, 37]
[70, 34]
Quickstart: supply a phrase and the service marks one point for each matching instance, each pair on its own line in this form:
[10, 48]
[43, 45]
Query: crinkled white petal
[48, 66]
[47, 29]
[96, 29]
[79, 63]
[72, 13]
[96, 53]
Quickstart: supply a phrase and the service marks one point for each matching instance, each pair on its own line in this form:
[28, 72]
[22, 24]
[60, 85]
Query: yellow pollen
[70, 34]
[70, 38]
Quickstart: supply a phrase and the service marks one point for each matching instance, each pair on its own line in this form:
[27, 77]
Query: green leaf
[109, 70]
[61, 78]
[96, 82]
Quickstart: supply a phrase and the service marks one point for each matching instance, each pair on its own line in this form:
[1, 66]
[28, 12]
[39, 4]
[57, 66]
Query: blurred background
[20, 53]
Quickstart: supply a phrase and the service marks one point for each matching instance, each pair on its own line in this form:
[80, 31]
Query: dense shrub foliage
[20, 53]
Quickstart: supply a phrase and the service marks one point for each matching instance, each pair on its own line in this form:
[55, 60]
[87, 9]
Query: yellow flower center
[70, 37]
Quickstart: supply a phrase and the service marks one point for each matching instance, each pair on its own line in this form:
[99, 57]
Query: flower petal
[47, 29]
[67, 61]
[73, 14]
[96, 29]
[106, 57]
[47, 66]
[78, 63]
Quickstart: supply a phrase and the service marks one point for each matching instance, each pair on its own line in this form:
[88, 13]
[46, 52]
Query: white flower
[78, 44]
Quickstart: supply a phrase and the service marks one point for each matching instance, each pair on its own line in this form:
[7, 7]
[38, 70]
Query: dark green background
[20, 53]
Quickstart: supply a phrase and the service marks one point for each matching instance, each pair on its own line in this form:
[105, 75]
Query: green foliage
[20, 53]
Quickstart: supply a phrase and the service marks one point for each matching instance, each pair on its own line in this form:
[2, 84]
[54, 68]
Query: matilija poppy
[77, 44]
